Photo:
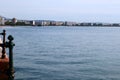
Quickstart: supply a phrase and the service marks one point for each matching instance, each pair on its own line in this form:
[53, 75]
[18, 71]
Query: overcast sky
[70, 10]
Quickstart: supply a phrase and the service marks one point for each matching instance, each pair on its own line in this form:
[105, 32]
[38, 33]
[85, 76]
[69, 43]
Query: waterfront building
[96, 24]
[78, 24]
[2, 21]
[42, 23]
[45, 23]
[33, 23]
[27, 22]
[85, 24]
[59, 23]
[38, 23]
[70, 23]
[115, 24]
[52, 23]
[107, 24]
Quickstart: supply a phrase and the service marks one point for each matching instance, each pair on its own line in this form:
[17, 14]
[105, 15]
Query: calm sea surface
[66, 53]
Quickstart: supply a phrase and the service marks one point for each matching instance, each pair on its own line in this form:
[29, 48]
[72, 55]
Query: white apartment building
[2, 21]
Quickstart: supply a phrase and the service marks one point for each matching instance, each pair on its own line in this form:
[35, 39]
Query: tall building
[2, 21]
[32, 23]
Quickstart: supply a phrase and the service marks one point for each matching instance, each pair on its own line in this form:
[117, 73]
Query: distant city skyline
[62, 10]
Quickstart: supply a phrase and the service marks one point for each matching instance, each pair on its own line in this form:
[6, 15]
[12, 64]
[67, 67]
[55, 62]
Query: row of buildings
[97, 24]
[53, 23]
[16, 22]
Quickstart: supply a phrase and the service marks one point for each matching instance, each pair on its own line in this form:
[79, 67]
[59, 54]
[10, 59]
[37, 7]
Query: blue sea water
[66, 53]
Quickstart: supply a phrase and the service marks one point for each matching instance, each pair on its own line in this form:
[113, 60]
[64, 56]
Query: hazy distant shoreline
[16, 22]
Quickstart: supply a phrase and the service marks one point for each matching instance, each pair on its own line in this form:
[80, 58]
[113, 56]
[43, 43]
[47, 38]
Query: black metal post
[3, 47]
[10, 45]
